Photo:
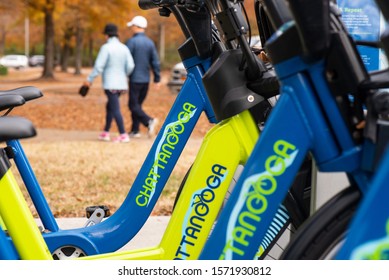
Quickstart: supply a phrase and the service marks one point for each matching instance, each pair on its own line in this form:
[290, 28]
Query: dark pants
[113, 111]
[138, 92]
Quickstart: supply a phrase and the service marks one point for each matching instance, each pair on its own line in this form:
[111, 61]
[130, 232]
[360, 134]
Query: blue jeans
[113, 111]
[138, 92]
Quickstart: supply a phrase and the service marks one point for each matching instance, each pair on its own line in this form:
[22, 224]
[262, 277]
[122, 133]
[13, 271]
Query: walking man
[146, 59]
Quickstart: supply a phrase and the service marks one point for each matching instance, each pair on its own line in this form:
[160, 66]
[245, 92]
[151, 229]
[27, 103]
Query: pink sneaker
[122, 138]
[104, 136]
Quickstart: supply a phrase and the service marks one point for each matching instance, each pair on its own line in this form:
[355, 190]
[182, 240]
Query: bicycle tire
[181, 187]
[320, 236]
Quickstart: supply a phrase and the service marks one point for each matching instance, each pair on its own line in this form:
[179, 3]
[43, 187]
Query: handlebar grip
[313, 24]
[148, 4]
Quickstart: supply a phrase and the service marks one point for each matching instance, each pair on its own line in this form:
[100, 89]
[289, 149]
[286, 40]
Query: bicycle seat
[12, 128]
[27, 92]
[10, 101]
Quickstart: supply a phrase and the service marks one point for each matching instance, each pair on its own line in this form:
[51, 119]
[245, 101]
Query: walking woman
[114, 61]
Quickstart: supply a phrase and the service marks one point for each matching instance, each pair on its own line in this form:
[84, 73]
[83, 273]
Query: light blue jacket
[115, 63]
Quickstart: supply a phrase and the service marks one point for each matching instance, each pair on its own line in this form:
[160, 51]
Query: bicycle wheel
[322, 234]
[290, 215]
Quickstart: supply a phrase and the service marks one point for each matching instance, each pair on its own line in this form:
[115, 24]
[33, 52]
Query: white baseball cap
[138, 21]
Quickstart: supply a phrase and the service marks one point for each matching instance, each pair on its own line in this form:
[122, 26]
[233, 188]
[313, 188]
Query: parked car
[14, 61]
[36, 60]
[178, 72]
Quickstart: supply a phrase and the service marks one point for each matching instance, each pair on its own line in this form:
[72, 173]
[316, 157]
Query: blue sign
[364, 22]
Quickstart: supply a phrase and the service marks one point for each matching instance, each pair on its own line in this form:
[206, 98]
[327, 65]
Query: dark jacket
[145, 57]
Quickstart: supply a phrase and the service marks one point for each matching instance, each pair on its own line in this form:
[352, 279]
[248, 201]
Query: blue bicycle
[118, 229]
[192, 101]
[356, 226]
[324, 92]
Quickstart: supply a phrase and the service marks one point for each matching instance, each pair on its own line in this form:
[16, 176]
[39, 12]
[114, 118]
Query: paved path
[46, 134]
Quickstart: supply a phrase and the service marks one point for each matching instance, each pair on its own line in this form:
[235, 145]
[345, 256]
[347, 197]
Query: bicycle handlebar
[171, 5]
[152, 4]
[191, 16]
[312, 20]
[190, 5]
[147, 4]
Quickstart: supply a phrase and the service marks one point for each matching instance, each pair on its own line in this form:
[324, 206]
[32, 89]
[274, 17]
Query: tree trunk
[90, 52]
[3, 34]
[65, 57]
[66, 49]
[48, 70]
[162, 42]
[78, 53]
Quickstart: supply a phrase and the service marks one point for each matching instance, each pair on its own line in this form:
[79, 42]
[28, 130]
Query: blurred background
[67, 34]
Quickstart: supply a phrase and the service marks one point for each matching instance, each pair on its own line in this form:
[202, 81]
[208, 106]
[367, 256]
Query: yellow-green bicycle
[225, 148]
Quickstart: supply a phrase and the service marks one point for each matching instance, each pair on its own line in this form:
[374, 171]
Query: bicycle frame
[121, 227]
[236, 135]
[92, 239]
[192, 91]
[26, 237]
[19, 221]
[203, 192]
[205, 189]
[367, 237]
[159, 163]
[306, 119]
[209, 180]
[153, 175]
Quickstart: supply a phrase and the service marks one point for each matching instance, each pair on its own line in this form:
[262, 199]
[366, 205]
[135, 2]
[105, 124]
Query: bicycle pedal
[41, 229]
[90, 209]
[96, 214]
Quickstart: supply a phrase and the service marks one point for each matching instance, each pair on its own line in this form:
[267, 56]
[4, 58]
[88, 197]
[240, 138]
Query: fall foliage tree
[70, 31]
[47, 7]
[9, 19]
